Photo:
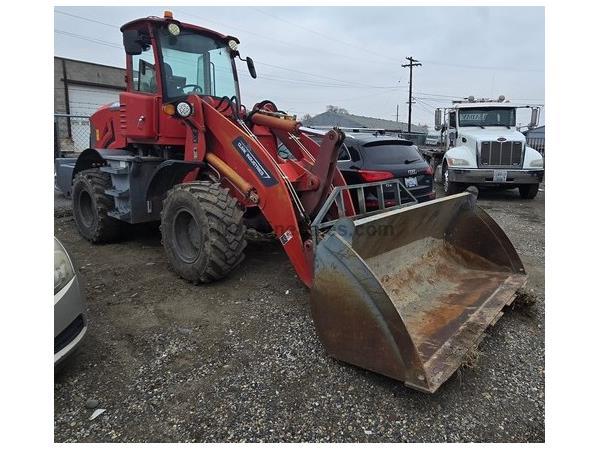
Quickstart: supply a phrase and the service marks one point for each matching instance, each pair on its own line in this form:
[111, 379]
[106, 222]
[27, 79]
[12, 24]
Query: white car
[69, 319]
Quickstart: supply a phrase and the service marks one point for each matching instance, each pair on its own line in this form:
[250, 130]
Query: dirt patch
[239, 360]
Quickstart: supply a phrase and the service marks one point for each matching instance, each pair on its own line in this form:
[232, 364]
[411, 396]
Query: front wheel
[450, 187]
[203, 231]
[528, 191]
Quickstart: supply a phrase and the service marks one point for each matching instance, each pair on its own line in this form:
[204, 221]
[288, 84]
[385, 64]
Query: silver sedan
[69, 319]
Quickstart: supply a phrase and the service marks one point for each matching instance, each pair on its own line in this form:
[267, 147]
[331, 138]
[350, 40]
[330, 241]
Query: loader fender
[91, 158]
[168, 174]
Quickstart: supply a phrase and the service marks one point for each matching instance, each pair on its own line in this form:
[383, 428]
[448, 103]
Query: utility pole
[397, 110]
[412, 63]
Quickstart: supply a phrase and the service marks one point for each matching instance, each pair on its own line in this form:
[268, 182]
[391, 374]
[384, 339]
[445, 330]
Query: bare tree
[336, 109]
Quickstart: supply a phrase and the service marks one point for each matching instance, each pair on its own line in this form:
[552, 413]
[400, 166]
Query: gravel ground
[239, 360]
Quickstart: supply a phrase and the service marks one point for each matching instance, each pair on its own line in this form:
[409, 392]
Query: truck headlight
[537, 163]
[457, 162]
[63, 268]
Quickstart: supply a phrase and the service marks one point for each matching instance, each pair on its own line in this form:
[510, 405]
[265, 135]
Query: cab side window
[144, 71]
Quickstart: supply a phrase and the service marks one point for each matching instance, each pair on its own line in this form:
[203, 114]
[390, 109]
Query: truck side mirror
[131, 42]
[251, 67]
[535, 117]
[438, 119]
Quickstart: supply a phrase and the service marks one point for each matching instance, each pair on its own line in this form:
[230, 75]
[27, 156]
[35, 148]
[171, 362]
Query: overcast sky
[310, 57]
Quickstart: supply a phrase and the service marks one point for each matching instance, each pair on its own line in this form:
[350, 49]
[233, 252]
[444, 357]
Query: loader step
[121, 216]
[117, 193]
[115, 170]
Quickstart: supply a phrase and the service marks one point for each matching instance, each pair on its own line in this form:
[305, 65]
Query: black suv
[366, 157]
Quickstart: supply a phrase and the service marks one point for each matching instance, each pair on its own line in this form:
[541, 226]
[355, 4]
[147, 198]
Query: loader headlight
[63, 268]
[232, 45]
[457, 162]
[184, 109]
[537, 163]
[174, 29]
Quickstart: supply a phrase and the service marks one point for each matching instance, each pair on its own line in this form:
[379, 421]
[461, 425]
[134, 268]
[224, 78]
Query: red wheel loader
[405, 290]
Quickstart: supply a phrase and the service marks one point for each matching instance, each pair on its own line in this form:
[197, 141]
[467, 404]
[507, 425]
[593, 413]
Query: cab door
[140, 103]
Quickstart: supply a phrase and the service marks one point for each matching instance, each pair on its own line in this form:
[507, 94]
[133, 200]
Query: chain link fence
[71, 134]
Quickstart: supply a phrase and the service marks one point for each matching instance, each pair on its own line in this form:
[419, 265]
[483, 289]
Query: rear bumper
[486, 176]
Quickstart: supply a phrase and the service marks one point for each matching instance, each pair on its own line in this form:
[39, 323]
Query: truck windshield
[486, 117]
[196, 63]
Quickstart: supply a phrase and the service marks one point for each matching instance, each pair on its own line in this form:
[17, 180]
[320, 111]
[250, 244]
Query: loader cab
[167, 61]
[171, 59]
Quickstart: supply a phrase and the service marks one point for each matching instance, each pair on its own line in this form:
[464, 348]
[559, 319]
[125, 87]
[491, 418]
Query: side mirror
[535, 117]
[251, 67]
[131, 42]
[438, 119]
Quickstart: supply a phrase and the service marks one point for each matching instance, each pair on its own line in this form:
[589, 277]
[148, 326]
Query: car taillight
[429, 171]
[374, 175]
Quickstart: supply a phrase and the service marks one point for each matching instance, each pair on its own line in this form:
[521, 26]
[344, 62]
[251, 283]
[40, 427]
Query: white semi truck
[481, 146]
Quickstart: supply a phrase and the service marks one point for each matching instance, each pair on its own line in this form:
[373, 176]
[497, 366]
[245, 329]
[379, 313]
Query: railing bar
[362, 207]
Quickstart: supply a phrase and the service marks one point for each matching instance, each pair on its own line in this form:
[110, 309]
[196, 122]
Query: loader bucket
[409, 292]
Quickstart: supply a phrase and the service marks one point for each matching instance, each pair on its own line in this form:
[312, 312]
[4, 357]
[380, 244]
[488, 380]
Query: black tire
[91, 206]
[450, 187]
[203, 231]
[528, 191]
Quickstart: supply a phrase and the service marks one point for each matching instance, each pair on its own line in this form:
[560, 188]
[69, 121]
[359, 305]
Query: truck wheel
[528, 191]
[91, 206]
[203, 231]
[449, 186]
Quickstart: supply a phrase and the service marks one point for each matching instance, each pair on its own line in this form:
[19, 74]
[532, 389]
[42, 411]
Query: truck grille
[501, 154]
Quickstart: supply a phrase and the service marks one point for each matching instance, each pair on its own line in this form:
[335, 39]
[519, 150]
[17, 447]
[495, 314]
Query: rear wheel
[528, 191]
[91, 206]
[449, 186]
[203, 232]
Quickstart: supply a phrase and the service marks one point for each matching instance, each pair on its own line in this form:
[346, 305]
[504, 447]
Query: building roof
[331, 118]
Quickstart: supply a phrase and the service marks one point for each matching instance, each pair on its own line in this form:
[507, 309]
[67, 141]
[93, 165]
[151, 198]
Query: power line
[328, 37]
[465, 66]
[284, 43]
[119, 46]
[56, 11]
[89, 39]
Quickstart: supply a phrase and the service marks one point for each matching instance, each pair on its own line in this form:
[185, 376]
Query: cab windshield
[486, 117]
[196, 63]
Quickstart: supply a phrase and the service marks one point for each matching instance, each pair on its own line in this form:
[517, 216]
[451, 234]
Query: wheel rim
[186, 236]
[86, 208]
